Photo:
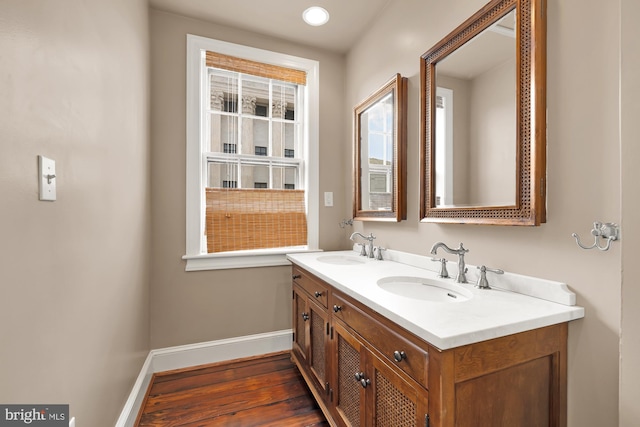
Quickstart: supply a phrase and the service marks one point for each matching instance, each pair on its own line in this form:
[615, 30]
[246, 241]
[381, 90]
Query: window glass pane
[255, 96]
[259, 136]
[224, 132]
[223, 91]
[222, 175]
[252, 174]
[282, 138]
[284, 101]
[284, 177]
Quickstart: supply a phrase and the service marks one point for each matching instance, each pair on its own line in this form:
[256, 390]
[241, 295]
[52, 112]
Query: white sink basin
[425, 289]
[341, 259]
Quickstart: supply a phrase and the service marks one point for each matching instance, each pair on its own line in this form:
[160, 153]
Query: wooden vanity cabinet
[365, 370]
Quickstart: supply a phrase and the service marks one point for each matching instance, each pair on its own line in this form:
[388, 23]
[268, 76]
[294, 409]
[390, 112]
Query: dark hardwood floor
[266, 391]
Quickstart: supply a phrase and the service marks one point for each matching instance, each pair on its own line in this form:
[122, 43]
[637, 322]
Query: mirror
[483, 110]
[380, 124]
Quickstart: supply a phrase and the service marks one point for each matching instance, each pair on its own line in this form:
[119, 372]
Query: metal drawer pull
[337, 308]
[318, 294]
[359, 376]
[305, 316]
[399, 355]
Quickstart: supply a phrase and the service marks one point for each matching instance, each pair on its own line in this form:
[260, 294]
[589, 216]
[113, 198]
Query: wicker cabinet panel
[348, 393]
[318, 342]
[396, 401]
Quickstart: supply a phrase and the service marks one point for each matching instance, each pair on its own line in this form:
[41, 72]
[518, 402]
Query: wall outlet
[328, 198]
[72, 422]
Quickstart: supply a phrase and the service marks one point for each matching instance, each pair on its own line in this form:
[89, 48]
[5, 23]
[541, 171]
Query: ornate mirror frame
[397, 86]
[530, 205]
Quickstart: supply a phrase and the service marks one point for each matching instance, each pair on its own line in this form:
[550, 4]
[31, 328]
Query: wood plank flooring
[266, 391]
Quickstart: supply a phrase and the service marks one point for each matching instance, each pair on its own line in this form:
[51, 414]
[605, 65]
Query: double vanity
[389, 343]
[385, 341]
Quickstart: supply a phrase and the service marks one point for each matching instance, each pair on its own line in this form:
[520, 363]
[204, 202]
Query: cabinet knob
[317, 294]
[305, 316]
[399, 355]
[337, 308]
[296, 276]
[364, 382]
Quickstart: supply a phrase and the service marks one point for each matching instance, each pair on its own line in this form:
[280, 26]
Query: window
[248, 133]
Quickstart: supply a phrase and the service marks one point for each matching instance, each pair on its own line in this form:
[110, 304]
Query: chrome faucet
[460, 251]
[368, 238]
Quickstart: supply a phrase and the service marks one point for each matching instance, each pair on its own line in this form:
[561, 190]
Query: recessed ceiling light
[315, 16]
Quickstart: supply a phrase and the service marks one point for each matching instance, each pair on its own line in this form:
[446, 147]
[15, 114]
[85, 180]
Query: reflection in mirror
[483, 113]
[475, 120]
[380, 139]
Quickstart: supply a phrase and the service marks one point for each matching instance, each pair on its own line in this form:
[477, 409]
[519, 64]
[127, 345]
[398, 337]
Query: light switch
[328, 198]
[47, 171]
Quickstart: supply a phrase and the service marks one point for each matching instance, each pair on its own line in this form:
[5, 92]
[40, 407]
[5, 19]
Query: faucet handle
[482, 282]
[443, 267]
[363, 251]
[378, 250]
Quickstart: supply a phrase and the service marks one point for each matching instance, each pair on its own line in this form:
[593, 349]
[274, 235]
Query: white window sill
[241, 259]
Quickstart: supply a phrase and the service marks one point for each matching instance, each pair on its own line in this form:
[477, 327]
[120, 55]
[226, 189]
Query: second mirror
[380, 124]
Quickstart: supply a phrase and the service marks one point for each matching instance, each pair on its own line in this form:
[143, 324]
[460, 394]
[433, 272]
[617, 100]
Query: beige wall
[492, 151]
[74, 273]
[74, 82]
[202, 306]
[583, 174]
[630, 129]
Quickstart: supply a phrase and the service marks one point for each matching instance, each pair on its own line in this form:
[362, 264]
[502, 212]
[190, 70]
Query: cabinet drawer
[398, 350]
[317, 289]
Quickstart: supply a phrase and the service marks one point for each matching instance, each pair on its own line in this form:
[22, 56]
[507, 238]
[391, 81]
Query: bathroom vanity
[388, 343]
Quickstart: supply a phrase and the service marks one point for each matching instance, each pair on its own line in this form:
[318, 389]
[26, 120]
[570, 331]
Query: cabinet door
[349, 378]
[299, 324]
[394, 400]
[318, 340]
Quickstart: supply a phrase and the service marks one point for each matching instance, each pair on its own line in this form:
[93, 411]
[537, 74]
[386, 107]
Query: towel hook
[606, 230]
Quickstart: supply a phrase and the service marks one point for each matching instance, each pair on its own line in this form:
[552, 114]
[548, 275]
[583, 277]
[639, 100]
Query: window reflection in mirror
[380, 139]
[376, 127]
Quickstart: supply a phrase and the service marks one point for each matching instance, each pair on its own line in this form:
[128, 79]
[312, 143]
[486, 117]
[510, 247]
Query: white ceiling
[283, 18]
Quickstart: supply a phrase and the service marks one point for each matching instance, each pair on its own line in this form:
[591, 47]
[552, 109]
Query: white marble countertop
[490, 313]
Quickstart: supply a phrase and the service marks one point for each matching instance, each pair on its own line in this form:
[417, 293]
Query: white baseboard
[184, 356]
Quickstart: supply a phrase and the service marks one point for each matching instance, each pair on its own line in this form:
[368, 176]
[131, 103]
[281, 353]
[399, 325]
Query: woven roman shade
[255, 68]
[246, 218]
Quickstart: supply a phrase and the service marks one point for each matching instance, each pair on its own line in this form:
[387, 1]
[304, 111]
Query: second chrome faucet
[368, 238]
[461, 277]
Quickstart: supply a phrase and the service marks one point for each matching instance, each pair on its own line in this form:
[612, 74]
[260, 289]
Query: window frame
[196, 255]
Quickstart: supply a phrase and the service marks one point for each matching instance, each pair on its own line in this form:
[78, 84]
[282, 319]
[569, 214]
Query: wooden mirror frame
[530, 205]
[398, 86]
